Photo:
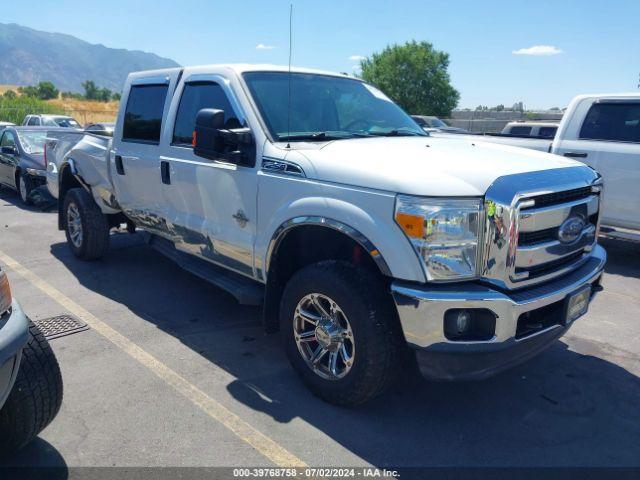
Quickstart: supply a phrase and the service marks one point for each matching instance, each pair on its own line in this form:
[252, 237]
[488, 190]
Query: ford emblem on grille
[571, 229]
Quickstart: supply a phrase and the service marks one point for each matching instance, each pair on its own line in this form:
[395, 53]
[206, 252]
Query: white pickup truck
[603, 131]
[364, 238]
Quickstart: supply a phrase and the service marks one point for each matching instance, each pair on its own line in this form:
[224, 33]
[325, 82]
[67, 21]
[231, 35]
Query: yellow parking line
[263, 444]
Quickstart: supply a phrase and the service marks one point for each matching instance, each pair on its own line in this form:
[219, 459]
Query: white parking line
[263, 444]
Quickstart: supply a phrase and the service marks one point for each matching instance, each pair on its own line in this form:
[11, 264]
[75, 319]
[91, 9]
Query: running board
[620, 233]
[245, 290]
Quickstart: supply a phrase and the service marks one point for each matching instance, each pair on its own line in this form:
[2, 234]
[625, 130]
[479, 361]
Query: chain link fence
[16, 114]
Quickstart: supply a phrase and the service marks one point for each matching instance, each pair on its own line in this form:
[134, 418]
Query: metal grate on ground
[60, 326]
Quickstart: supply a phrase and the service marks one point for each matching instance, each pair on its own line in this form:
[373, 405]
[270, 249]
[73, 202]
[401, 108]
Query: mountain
[30, 56]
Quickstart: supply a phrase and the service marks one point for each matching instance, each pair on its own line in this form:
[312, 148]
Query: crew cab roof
[238, 68]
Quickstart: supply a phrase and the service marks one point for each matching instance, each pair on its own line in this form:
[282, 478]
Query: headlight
[445, 234]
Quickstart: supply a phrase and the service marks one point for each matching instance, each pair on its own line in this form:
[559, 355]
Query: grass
[84, 111]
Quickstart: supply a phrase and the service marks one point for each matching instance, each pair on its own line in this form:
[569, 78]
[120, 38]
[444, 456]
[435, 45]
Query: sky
[540, 52]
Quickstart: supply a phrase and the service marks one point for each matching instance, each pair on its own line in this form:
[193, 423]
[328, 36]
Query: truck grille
[541, 252]
[533, 237]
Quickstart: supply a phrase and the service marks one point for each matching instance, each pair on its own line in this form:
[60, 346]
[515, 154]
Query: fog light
[477, 324]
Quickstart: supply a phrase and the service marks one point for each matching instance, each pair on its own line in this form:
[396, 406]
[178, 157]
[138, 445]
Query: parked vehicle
[603, 131]
[358, 233]
[531, 129]
[4, 125]
[434, 124]
[22, 162]
[50, 121]
[105, 129]
[30, 380]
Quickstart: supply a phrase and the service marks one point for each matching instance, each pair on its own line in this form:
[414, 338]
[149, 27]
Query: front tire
[344, 310]
[86, 227]
[36, 395]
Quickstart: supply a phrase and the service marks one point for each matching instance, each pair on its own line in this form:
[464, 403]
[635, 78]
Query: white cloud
[538, 50]
[262, 46]
[357, 58]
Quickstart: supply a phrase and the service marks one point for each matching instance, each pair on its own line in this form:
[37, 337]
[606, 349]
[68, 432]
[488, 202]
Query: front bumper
[421, 311]
[14, 332]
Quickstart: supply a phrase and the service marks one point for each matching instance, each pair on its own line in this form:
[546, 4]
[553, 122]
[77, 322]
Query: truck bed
[88, 154]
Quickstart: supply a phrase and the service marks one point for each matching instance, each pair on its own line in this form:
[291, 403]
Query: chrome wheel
[22, 189]
[74, 225]
[324, 337]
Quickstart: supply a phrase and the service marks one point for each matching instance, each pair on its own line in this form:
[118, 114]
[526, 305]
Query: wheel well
[302, 246]
[67, 182]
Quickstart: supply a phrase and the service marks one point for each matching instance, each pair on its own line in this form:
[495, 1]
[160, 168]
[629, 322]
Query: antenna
[290, 48]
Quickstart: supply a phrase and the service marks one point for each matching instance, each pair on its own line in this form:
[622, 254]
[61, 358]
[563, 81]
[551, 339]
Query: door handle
[576, 154]
[119, 165]
[165, 172]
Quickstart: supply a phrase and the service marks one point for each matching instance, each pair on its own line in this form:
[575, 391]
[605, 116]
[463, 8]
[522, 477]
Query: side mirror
[213, 142]
[9, 150]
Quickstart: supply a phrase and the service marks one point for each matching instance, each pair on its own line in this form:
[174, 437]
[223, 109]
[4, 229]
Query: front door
[8, 161]
[212, 203]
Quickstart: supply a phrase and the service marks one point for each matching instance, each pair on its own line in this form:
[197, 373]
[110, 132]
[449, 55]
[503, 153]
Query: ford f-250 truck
[314, 195]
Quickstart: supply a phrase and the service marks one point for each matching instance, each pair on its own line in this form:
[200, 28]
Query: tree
[47, 91]
[10, 94]
[415, 76]
[116, 97]
[90, 90]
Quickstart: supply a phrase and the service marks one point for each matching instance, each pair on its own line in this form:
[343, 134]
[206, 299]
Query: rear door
[134, 158]
[609, 141]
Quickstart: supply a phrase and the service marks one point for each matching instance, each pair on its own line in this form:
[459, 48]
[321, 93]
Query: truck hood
[426, 166]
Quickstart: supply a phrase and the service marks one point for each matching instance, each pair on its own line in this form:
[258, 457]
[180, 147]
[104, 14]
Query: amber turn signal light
[412, 225]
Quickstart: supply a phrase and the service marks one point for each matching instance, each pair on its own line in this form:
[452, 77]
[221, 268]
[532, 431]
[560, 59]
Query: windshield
[325, 107]
[437, 123]
[66, 122]
[32, 142]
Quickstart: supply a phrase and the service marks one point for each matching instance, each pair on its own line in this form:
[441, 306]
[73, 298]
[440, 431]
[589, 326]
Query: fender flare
[280, 233]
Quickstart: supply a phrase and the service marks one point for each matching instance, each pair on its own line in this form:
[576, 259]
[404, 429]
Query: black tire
[376, 330]
[36, 396]
[24, 187]
[94, 242]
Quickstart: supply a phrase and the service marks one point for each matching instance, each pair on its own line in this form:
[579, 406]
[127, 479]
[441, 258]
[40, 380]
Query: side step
[245, 290]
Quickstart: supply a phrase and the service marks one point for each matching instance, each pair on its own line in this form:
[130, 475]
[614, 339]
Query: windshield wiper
[315, 136]
[398, 133]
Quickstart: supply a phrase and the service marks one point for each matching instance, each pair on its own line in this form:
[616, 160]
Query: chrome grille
[540, 225]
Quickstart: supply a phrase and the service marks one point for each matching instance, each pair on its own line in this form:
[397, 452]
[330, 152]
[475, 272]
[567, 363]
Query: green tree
[415, 76]
[10, 94]
[47, 91]
[104, 94]
[91, 91]
[116, 97]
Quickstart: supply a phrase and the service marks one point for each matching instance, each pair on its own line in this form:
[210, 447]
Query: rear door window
[195, 97]
[520, 131]
[615, 122]
[143, 115]
[34, 121]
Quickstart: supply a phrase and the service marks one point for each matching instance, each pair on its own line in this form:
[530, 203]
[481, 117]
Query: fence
[491, 121]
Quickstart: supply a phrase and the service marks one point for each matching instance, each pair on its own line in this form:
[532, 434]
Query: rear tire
[36, 396]
[86, 227]
[367, 325]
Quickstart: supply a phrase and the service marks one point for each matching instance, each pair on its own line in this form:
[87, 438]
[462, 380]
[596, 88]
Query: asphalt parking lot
[177, 374]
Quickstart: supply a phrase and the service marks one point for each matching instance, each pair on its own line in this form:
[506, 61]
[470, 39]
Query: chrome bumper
[421, 309]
